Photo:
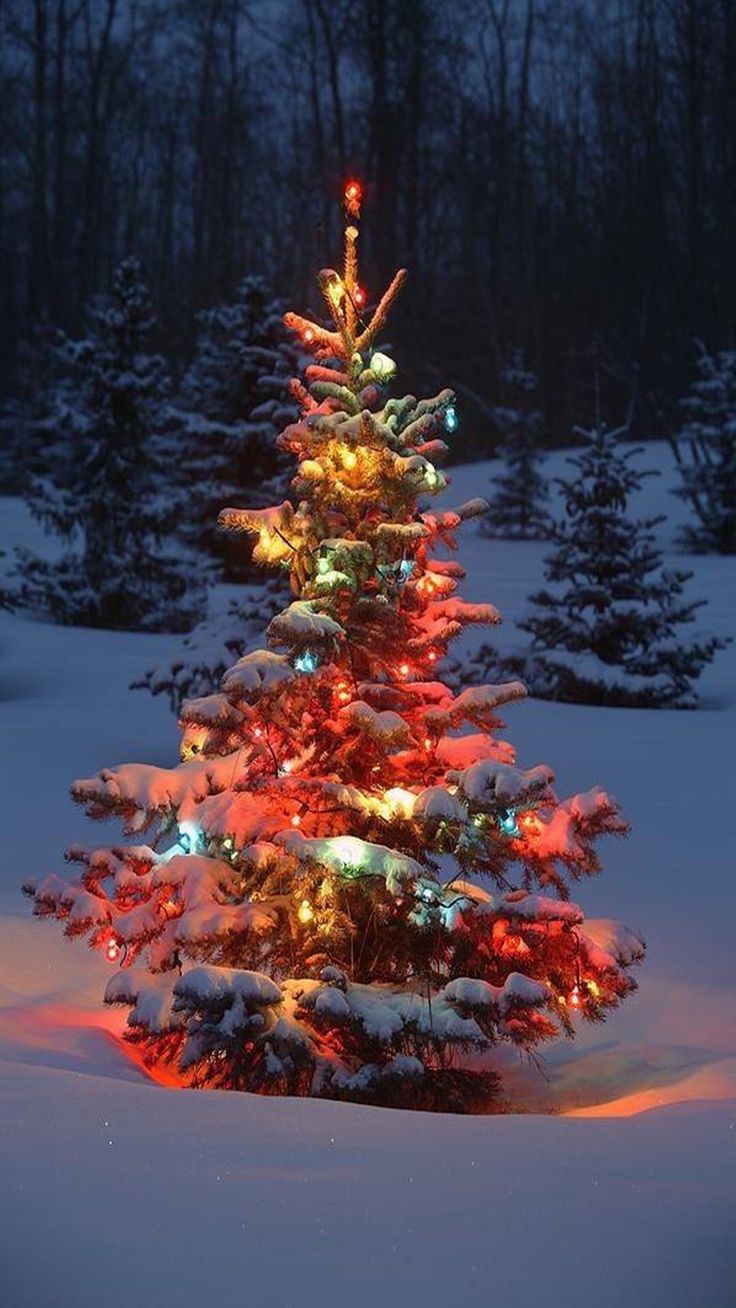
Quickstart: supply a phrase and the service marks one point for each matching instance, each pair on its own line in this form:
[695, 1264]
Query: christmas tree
[105, 486]
[517, 509]
[707, 455]
[607, 630]
[309, 916]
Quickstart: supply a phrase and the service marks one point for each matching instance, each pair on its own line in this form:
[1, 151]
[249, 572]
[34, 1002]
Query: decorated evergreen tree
[308, 917]
[517, 509]
[708, 443]
[233, 402]
[105, 488]
[607, 631]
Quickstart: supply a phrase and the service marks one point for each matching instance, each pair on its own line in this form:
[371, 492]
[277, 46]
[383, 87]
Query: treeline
[558, 176]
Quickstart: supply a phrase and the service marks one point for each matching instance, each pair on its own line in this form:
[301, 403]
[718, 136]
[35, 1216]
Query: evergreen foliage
[607, 629]
[105, 484]
[309, 916]
[233, 401]
[707, 463]
[517, 510]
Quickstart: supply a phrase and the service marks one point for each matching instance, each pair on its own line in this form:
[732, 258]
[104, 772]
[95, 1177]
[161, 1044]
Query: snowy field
[617, 1187]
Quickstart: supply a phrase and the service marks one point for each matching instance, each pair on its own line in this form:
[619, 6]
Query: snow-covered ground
[119, 1191]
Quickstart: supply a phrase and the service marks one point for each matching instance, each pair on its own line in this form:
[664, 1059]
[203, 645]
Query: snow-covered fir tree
[517, 509]
[707, 455]
[608, 629]
[105, 486]
[234, 400]
[309, 915]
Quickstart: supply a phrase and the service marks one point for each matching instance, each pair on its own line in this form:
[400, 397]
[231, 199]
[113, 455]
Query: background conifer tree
[105, 485]
[233, 401]
[607, 629]
[707, 455]
[517, 509]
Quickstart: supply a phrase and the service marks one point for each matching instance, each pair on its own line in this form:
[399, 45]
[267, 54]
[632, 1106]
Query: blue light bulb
[507, 823]
[307, 661]
[452, 421]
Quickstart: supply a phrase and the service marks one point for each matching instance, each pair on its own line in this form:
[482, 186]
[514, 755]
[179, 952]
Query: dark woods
[558, 176]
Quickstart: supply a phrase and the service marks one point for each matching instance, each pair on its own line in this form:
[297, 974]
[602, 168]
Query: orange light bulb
[404, 669]
[296, 821]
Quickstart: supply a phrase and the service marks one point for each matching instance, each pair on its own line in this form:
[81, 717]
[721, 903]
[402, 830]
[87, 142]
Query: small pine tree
[233, 401]
[708, 468]
[608, 631]
[105, 489]
[517, 510]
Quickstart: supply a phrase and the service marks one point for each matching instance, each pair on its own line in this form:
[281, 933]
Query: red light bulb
[359, 296]
[353, 192]
[112, 950]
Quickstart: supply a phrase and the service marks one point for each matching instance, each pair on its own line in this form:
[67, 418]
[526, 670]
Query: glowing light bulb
[349, 459]
[359, 296]
[575, 999]
[308, 336]
[286, 767]
[258, 732]
[112, 950]
[382, 366]
[305, 912]
[353, 194]
[530, 822]
[432, 656]
[594, 988]
[343, 696]
[308, 659]
[404, 669]
[427, 743]
[507, 823]
[452, 421]
[296, 820]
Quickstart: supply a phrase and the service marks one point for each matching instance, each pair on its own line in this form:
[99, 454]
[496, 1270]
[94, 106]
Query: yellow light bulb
[350, 459]
[306, 912]
[382, 366]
